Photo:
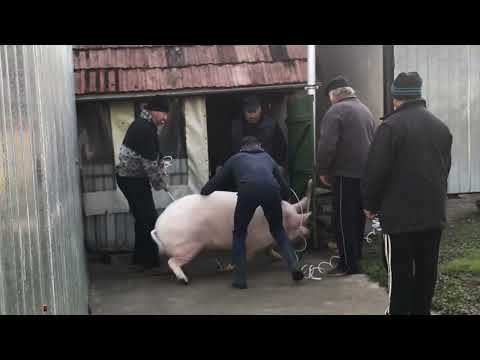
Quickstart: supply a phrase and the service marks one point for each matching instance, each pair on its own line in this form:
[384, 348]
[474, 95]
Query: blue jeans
[250, 197]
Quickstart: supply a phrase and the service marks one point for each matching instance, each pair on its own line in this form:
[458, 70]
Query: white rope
[312, 271]
[299, 226]
[323, 267]
[167, 162]
[376, 229]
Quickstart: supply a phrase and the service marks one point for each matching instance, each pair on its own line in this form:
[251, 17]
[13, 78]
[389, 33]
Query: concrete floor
[116, 290]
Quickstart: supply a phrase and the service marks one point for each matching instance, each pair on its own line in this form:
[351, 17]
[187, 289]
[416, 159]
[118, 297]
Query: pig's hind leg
[176, 262]
[175, 266]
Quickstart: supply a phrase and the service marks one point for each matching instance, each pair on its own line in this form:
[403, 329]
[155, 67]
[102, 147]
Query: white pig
[195, 223]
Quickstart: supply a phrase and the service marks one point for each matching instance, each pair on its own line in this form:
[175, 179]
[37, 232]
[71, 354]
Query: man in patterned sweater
[139, 170]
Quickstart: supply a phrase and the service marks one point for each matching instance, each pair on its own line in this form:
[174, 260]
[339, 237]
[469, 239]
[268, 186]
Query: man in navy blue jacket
[257, 178]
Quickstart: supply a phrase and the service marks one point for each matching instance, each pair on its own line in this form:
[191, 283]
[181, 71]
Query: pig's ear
[305, 217]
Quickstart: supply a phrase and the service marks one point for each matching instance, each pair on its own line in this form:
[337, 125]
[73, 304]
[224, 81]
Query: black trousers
[140, 199]
[250, 197]
[412, 262]
[349, 222]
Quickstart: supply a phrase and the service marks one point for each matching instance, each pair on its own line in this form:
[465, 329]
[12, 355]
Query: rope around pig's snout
[312, 271]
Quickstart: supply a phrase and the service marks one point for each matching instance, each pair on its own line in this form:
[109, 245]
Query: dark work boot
[240, 274]
[297, 275]
[240, 286]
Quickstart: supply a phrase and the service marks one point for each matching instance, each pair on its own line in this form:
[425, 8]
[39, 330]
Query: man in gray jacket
[346, 132]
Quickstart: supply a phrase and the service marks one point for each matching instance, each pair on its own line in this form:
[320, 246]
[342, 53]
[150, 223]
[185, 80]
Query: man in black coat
[254, 122]
[346, 132]
[140, 169]
[259, 182]
[406, 185]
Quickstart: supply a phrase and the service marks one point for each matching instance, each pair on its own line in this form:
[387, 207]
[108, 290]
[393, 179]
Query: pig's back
[197, 218]
[207, 220]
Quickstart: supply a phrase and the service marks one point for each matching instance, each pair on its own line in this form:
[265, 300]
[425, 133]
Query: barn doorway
[222, 109]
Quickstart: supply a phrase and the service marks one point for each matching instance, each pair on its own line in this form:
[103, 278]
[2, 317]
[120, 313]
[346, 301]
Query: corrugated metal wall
[363, 67]
[42, 257]
[451, 75]
[115, 232]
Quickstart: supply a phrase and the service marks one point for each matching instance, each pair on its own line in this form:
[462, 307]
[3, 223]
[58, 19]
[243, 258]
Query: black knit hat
[250, 103]
[336, 83]
[158, 103]
[250, 141]
[407, 85]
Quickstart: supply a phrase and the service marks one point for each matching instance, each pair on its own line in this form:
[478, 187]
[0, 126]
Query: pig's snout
[161, 247]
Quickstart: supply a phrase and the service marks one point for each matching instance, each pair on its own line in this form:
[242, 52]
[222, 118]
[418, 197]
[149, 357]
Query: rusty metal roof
[102, 69]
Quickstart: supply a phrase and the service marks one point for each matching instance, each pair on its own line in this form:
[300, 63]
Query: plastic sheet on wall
[96, 149]
[121, 116]
[197, 140]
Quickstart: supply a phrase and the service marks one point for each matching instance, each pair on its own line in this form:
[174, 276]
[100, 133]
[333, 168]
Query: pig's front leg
[230, 267]
[271, 252]
[274, 254]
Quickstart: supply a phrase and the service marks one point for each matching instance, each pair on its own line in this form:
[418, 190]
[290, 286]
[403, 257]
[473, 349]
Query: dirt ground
[462, 206]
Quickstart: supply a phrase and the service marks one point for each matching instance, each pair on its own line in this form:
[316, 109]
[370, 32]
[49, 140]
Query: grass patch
[458, 285]
[373, 266]
[469, 265]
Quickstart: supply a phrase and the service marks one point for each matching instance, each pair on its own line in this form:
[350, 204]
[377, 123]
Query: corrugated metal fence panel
[101, 177]
[42, 257]
[451, 75]
[115, 232]
[110, 233]
[474, 77]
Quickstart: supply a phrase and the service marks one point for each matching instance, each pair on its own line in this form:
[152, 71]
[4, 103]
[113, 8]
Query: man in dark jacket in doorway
[254, 122]
[140, 169]
[257, 178]
[406, 185]
[346, 132]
